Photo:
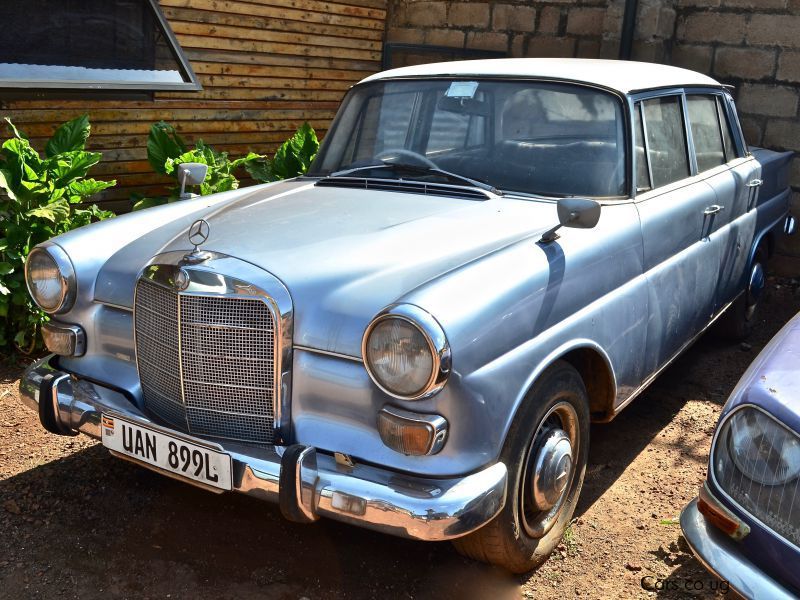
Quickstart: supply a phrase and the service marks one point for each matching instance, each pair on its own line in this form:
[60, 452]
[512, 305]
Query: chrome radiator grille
[207, 363]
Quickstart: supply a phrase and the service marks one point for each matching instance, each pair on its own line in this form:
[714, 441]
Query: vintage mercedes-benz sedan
[745, 524]
[484, 257]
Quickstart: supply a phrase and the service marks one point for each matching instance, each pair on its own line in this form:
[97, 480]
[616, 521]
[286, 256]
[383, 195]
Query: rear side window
[666, 140]
[706, 131]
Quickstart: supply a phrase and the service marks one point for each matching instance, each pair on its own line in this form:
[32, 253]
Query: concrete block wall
[753, 45]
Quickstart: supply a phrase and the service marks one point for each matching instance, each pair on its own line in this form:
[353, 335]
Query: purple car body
[765, 562]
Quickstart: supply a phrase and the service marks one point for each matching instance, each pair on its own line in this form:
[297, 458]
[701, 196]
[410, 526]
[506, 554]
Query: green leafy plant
[166, 149]
[40, 197]
[293, 158]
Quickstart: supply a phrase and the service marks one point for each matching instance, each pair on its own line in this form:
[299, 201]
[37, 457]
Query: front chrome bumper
[722, 556]
[305, 483]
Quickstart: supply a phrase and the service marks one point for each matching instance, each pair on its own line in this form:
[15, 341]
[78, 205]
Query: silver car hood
[343, 254]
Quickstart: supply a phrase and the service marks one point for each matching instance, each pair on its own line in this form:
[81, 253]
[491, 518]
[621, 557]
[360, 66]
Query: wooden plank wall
[265, 66]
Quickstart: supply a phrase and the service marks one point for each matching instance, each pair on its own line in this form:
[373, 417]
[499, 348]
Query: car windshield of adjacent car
[519, 136]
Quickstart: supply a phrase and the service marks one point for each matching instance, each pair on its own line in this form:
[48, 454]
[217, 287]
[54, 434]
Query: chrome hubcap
[552, 469]
[549, 470]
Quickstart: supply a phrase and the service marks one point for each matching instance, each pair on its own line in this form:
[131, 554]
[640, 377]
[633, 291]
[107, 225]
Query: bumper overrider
[307, 484]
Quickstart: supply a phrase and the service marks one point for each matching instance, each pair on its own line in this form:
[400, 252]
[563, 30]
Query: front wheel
[546, 453]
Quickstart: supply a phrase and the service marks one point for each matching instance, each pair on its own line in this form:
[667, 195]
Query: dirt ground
[77, 523]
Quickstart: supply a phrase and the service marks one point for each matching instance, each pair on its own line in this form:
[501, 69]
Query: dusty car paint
[619, 301]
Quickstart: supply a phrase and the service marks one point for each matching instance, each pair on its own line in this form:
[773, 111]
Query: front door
[682, 238]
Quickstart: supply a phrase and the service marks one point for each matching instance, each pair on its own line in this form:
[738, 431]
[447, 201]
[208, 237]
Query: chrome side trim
[391, 502]
[434, 335]
[328, 353]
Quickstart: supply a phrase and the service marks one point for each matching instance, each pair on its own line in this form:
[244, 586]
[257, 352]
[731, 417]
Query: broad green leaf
[75, 165]
[52, 212]
[6, 268]
[260, 170]
[71, 136]
[15, 234]
[187, 157]
[3, 244]
[22, 161]
[163, 143]
[4, 290]
[19, 298]
[251, 157]
[88, 187]
[6, 186]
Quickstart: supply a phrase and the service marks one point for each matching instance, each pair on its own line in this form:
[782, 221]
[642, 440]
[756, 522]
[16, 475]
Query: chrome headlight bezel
[435, 338]
[68, 282]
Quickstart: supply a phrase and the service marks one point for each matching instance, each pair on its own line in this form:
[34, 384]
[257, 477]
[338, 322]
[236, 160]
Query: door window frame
[726, 113]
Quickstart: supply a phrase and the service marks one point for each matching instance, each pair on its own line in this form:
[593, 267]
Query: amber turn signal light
[411, 433]
[719, 516]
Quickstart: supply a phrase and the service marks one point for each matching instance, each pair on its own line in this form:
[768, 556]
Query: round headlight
[50, 279]
[762, 449]
[406, 353]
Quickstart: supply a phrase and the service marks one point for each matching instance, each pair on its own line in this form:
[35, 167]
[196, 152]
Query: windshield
[530, 137]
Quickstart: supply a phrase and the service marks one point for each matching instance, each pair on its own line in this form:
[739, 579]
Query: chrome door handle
[754, 183]
[713, 209]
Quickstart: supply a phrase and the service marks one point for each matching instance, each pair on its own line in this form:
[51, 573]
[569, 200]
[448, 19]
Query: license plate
[176, 456]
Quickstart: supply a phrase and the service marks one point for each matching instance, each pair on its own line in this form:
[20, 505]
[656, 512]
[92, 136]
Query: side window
[642, 173]
[666, 141]
[727, 138]
[706, 132]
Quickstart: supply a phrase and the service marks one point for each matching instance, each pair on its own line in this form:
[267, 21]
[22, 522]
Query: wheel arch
[595, 368]
[765, 240]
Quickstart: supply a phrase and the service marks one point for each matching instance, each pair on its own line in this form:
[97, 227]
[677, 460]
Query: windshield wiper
[422, 170]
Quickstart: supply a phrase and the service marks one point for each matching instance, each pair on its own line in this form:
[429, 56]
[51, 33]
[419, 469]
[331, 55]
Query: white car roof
[620, 75]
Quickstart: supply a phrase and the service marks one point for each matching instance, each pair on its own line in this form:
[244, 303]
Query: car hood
[343, 254]
[771, 381]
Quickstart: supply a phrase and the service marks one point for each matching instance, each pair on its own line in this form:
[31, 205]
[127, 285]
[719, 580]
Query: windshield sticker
[462, 89]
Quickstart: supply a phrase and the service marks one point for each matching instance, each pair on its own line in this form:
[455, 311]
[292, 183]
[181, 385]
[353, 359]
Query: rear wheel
[739, 320]
[546, 453]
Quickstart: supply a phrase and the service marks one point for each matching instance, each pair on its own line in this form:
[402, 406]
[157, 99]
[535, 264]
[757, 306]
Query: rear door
[735, 177]
[681, 235]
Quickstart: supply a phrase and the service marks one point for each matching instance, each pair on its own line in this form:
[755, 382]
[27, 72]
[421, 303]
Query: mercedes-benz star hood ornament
[198, 234]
